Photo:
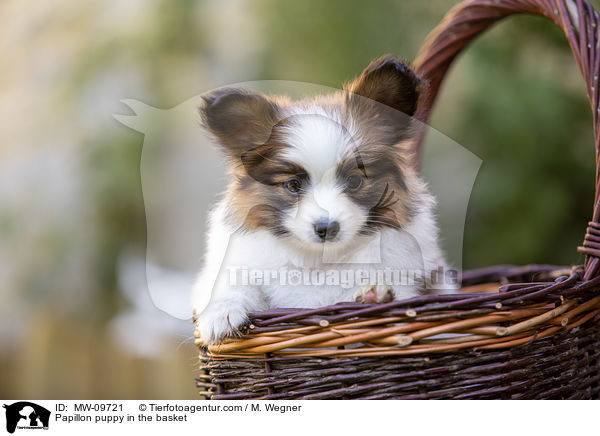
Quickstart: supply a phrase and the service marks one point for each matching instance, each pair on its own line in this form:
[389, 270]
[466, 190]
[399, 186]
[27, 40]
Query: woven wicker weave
[517, 332]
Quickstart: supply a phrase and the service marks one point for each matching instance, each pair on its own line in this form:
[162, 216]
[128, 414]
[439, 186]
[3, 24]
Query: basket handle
[578, 20]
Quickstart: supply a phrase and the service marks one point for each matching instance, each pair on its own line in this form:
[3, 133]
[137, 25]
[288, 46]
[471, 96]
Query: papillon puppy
[322, 204]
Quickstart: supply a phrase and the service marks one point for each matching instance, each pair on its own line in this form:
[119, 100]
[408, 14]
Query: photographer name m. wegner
[345, 278]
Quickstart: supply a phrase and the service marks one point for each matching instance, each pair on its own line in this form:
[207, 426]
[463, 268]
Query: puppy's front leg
[227, 310]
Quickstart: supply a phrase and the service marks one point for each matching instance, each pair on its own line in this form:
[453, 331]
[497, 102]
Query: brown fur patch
[389, 81]
[257, 196]
[381, 102]
[385, 192]
[239, 119]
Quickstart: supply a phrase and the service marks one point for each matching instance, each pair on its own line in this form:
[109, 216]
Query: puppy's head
[324, 170]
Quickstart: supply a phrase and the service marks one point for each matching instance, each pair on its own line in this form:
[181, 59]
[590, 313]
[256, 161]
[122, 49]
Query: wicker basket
[519, 332]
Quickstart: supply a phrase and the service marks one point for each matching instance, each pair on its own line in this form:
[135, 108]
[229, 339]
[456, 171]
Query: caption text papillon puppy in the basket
[319, 190]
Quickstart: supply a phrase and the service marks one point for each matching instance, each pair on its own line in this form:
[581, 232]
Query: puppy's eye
[354, 183]
[293, 186]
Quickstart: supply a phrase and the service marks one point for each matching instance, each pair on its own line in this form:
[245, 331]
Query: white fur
[318, 143]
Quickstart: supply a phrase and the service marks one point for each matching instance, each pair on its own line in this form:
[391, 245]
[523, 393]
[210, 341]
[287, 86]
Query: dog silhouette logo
[26, 415]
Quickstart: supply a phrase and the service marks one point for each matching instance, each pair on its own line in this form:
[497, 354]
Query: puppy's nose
[327, 230]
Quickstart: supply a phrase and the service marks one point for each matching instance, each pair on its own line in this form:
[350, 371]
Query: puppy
[320, 189]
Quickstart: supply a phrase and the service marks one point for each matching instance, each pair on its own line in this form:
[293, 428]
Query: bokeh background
[75, 320]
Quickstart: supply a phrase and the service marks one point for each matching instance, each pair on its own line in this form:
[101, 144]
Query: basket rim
[512, 314]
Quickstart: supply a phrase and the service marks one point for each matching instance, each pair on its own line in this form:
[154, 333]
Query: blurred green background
[72, 321]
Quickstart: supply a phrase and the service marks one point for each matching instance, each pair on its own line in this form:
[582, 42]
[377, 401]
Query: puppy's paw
[375, 294]
[219, 321]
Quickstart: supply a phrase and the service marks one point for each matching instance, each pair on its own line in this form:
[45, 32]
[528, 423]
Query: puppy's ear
[239, 119]
[389, 81]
